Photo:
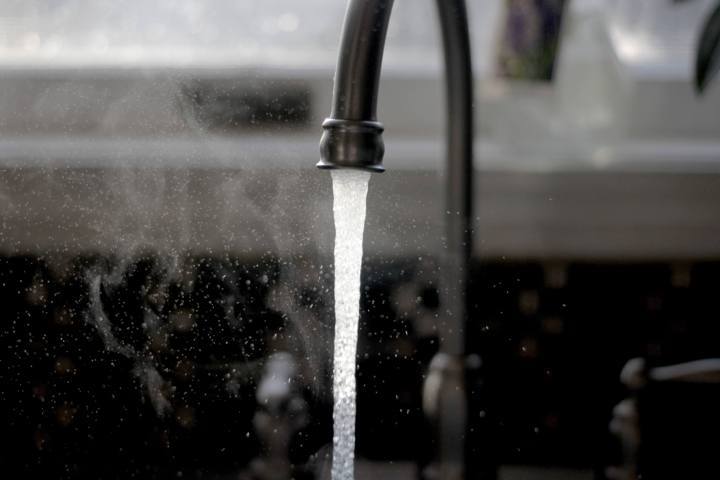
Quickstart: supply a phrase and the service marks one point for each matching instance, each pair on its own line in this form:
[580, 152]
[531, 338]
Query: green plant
[707, 56]
[707, 59]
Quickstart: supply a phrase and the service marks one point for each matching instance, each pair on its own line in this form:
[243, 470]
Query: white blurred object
[625, 71]
[657, 38]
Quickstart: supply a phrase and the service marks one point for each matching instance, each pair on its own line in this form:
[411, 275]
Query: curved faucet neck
[357, 75]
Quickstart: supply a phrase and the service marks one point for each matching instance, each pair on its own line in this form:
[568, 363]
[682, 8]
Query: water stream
[349, 194]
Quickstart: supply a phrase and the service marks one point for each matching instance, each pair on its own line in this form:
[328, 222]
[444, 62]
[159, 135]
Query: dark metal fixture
[666, 427]
[353, 139]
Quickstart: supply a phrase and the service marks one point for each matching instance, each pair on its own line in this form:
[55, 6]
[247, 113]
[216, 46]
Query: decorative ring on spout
[352, 144]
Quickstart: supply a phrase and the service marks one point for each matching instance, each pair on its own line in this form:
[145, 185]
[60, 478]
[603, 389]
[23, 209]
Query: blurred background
[165, 240]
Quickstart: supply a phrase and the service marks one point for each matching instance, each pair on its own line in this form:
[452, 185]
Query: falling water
[349, 193]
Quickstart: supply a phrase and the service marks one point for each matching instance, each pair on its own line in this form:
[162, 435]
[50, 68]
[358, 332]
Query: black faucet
[352, 138]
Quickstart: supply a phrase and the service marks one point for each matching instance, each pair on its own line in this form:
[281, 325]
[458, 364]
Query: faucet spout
[352, 135]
